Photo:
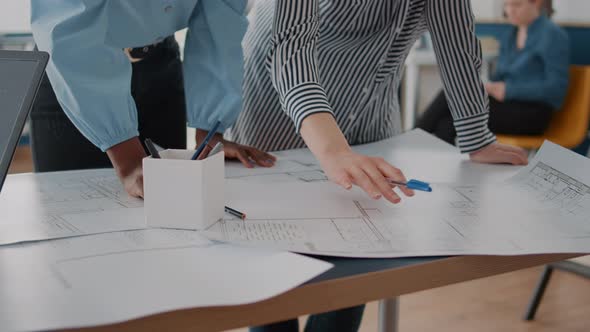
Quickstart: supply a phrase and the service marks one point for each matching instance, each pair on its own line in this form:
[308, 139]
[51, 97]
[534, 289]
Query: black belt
[139, 53]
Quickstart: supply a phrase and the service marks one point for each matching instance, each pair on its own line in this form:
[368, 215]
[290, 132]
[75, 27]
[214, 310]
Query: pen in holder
[183, 193]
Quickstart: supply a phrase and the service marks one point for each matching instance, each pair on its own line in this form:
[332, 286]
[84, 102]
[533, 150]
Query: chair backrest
[569, 126]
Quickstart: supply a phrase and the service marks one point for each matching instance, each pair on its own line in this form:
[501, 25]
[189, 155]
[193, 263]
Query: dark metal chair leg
[538, 295]
[572, 267]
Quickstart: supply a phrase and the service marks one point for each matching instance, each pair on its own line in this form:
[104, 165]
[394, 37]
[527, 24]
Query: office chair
[569, 126]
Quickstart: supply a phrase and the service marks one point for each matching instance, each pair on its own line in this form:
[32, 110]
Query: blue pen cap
[419, 185]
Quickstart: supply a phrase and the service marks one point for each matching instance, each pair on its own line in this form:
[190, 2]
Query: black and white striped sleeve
[451, 25]
[292, 59]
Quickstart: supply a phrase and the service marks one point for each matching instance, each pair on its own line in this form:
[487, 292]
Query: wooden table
[350, 282]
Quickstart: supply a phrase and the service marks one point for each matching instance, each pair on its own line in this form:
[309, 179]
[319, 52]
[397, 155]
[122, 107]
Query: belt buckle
[132, 53]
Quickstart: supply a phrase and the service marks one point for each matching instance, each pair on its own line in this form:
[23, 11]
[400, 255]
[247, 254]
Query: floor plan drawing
[56, 205]
[543, 208]
[368, 229]
[357, 232]
[550, 186]
[285, 170]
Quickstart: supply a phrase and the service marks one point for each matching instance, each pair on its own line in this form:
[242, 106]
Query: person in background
[530, 80]
[112, 90]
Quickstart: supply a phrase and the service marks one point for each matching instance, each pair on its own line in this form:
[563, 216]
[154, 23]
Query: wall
[566, 11]
[14, 16]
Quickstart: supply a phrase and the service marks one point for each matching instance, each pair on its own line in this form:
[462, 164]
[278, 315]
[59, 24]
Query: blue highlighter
[413, 184]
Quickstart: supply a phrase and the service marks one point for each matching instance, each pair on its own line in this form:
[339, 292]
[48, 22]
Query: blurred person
[530, 80]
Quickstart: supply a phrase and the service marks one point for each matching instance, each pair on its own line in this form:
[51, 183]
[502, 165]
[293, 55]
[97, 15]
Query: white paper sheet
[544, 208]
[107, 278]
[62, 204]
[304, 169]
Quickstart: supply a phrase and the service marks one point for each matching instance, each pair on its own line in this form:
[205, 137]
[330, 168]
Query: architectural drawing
[544, 208]
[550, 186]
[55, 205]
[285, 170]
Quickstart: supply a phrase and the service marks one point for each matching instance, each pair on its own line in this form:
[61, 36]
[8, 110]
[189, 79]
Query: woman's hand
[345, 167]
[496, 90]
[246, 154]
[497, 153]
[370, 173]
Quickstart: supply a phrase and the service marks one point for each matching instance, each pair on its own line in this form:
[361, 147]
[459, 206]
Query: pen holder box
[183, 193]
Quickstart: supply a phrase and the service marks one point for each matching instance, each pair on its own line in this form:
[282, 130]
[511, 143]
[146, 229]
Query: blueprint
[543, 208]
[327, 222]
[286, 169]
[113, 277]
[556, 190]
[62, 204]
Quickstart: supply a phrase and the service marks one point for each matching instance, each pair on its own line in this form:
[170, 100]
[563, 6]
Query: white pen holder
[183, 193]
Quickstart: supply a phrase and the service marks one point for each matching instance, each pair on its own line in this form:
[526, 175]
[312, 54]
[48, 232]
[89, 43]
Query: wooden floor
[493, 304]
[485, 305]
[22, 161]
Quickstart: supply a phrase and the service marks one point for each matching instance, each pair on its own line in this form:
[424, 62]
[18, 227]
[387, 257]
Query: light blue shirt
[91, 74]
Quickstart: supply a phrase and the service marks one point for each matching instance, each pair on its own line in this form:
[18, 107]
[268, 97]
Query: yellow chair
[569, 126]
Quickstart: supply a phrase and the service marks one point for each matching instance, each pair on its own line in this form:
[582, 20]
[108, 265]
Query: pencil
[235, 213]
[206, 141]
[205, 153]
[217, 148]
[151, 148]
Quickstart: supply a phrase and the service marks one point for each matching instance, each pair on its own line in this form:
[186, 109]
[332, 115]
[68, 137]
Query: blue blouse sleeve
[213, 63]
[83, 70]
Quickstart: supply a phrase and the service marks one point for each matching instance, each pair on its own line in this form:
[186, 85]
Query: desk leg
[389, 315]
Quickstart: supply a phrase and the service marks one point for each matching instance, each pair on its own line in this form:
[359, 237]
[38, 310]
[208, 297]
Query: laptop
[20, 76]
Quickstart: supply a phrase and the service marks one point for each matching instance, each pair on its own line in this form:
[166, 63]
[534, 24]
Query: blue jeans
[343, 320]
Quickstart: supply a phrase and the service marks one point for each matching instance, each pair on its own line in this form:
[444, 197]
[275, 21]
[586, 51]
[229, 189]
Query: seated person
[530, 80]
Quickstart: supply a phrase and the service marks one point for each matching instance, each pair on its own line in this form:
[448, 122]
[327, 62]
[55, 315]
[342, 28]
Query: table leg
[388, 315]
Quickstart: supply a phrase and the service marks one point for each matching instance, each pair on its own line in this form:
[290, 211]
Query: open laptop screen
[20, 76]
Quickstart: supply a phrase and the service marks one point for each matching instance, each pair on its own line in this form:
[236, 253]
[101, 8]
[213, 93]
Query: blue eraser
[419, 185]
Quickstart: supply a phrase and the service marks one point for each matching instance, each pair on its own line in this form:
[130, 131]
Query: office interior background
[490, 304]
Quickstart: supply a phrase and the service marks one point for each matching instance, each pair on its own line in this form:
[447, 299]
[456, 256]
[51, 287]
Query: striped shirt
[346, 58]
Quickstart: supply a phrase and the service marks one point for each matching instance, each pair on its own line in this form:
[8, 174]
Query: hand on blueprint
[497, 153]
[370, 173]
[346, 167]
[127, 158]
[246, 154]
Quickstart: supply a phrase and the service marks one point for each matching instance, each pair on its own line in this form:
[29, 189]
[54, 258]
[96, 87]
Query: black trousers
[158, 90]
[508, 117]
